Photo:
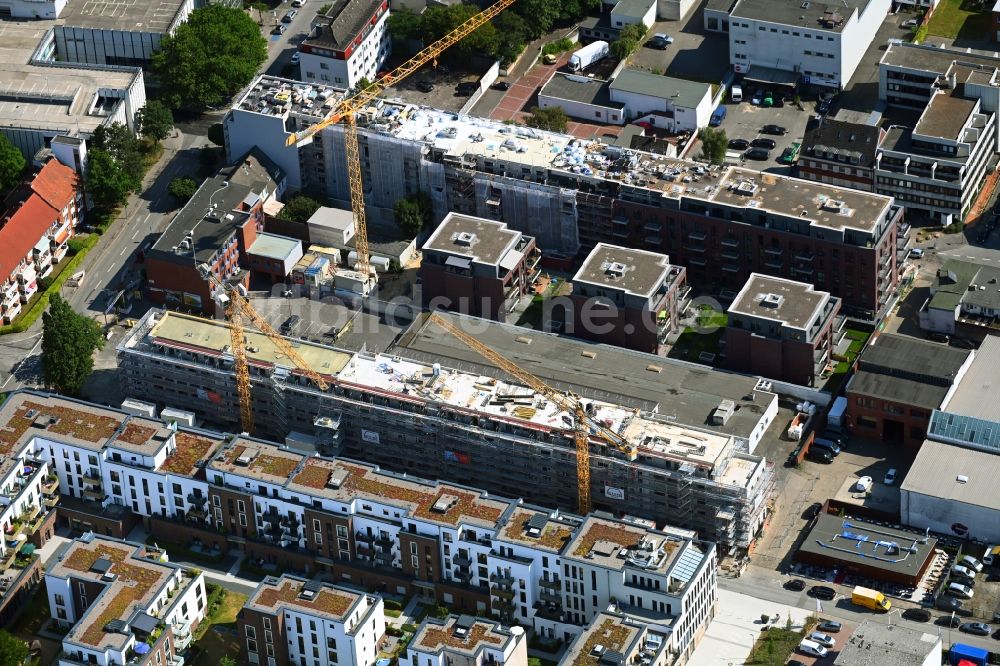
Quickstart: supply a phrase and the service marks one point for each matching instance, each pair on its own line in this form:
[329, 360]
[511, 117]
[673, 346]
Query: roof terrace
[538, 529]
[323, 600]
[257, 459]
[463, 634]
[27, 415]
[614, 544]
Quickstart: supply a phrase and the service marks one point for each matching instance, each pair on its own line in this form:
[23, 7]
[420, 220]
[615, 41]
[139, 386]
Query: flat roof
[577, 88]
[980, 381]
[680, 92]
[936, 470]
[58, 99]
[638, 272]
[945, 115]
[615, 544]
[138, 580]
[932, 58]
[876, 644]
[855, 542]
[607, 630]
[27, 415]
[967, 431]
[842, 139]
[274, 246]
[484, 241]
[830, 17]
[459, 634]
[633, 8]
[330, 602]
[794, 304]
[927, 360]
[539, 529]
[125, 15]
[684, 392]
[213, 336]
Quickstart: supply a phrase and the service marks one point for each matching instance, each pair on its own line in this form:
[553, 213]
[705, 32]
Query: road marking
[110, 268]
[122, 252]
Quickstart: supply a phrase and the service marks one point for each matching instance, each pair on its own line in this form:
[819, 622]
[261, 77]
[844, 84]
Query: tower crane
[238, 307]
[583, 422]
[346, 109]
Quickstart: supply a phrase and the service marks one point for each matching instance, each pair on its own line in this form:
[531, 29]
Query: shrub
[392, 604]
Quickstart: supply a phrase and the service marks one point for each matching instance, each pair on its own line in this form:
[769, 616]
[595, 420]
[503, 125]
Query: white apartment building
[464, 639]
[348, 43]
[306, 621]
[113, 597]
[792, 41]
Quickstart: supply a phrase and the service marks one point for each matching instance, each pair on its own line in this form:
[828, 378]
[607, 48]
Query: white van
[991, 555]
[736, 95]
[812, 648]
[959, 590]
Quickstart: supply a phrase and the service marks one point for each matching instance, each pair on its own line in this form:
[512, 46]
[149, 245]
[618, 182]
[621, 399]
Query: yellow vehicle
[873, 599]
[549, 59]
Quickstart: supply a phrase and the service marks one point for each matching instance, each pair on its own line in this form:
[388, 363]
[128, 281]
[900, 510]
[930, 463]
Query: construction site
[472, 427]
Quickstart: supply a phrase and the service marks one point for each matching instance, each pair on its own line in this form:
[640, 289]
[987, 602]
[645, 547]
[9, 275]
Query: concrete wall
[940, 513]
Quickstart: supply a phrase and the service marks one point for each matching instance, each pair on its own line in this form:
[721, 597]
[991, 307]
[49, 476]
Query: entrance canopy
[772, 76]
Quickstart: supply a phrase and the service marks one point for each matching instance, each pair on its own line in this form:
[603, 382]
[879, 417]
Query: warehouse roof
[680, 92]
[853, 541]
[814, 15]
[967, 431]
[956, 474]
[877, 644]
[577, 88]
[980, 380]
[273, 246]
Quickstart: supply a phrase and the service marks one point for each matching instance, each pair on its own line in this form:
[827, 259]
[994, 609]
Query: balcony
[774, 250]
[364, 537]
[549, 595]
[502, 577]
[462, 560]
[503, 605]
[731, 242]
[551, 584]
[697, 235]
[93, 476]
[502, 592]
[97, 494]
[464, 575]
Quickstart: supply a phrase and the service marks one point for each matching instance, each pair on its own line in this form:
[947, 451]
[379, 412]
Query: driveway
[695, 54]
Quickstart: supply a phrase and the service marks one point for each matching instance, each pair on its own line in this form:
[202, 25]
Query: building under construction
[470, 425]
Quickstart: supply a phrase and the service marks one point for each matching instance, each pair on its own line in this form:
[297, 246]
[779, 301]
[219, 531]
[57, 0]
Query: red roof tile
[20, 233]
[56, 183]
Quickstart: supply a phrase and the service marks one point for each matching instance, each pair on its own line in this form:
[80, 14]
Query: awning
[458, 262]
[773, 75]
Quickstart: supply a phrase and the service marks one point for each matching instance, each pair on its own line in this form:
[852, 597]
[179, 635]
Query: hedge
[392, 604]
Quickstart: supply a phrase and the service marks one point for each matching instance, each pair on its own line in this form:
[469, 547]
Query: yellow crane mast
[237, 308]
[584, 424]
[347, 108]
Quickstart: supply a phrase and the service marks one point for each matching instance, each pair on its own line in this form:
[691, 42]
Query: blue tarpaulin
[960, 651]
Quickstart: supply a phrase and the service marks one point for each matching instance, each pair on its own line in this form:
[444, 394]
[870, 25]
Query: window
[216, 501]
[316, 525]
[251, 632]
[251, 645]
[267, 623]
[324, 65]
[60, 600]
[241, 506]
[342, 531]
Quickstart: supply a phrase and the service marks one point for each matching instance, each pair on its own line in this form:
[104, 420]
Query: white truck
[588, 55]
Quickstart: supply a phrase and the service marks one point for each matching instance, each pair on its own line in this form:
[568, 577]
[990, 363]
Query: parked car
[812, 648]
[830, 445]
[290, 324]
[826, 640]
[938, 337]
[947, 603]
[795, 585]
[971, 562]
[289, 16]
[425, 86]
[549, 59]
[823, 107]
[757, 154]
[820, 456]
[661, 40]
[813, 510]
[958, 571]
[890, 477]
[950, 621]
[295, 58]
[829, 626]
[976, 628]
[790, 154]
[777, 130]
[916, 253]
[909, 23]
[739, 144]
[822, 592]
[991, 555]
[758, 97]
[768, 99]
[863, 484]
[959, 590]
[279, 29]
[763, 143]
[501, 85]
[917, 614]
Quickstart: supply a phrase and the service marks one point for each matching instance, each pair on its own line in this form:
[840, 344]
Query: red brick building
[38, 220]
[898, 383]
[214, 229]
[477, 266]
[782, 330]
[840, 153]
[626, 297]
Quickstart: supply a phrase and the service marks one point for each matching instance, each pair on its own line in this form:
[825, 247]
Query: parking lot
[694, 55]
[744, 121]
[445, 80]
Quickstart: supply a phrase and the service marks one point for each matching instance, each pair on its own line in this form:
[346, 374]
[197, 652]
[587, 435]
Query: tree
[107, 182]
[155, 120]
[12, 649]
[210, 57]
[299, 209]
[227, 661]
[182, 188]
[622, 48]
[405, 24]
[512, 31]
[635, 32]
[540, 15]
[438, 21]
[413, 213]
[12, 165]
[119, 141]
[69, 341]
[714, 143]
[553, 119]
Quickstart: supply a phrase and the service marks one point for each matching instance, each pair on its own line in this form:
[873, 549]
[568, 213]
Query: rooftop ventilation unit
[444, 503]
[962, 478]
[337, 478]
[464, 238]
[833, 205]
[614, 270]
[771, 300]
[746, 187]
[721, 414]
[246, 458]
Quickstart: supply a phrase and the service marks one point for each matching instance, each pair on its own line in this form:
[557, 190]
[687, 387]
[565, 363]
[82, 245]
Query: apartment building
[570, 194]
[40, 217]
[630, 298]
[477, 266]
[787, 43]
[466, 639]
[122, 603]
[215, 231]
[963, 297]
[349, 42]
[840, 153]
[293, 620]
[783, 330]
[357, 524]
[436, 422]
[616, 638]
[898, 383]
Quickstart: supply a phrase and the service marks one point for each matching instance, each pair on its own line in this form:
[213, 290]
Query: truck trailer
[868, 598]
[588, 55]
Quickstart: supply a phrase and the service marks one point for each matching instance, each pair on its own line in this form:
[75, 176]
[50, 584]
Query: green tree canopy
[413, 213]
[12, 649]
[12, 165]
[227, 661]
[635, 32]
[438, 21]
[553, 119]
[405, 24]
[182, 188]
[69, 341]
[119, 141]
[622, 48]
[213, 54]
[155, 120]
[299, 209]
[714, 143]
[108, 184]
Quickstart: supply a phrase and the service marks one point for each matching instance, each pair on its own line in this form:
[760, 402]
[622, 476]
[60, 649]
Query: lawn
[693, 342]
[960, 18]
[774, 646]
[216, 636]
